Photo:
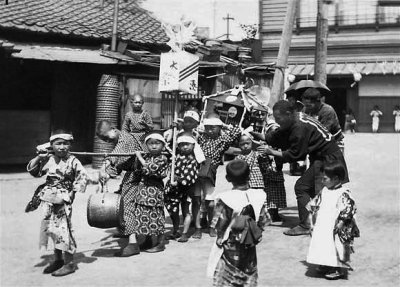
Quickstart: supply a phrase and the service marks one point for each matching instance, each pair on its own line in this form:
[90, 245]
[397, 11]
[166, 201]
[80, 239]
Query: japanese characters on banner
[179, 71]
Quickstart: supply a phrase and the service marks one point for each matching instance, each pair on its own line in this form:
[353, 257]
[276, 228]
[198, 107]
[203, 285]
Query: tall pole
[115, 27]
[227, 18]
[321, 41]
[283, 54]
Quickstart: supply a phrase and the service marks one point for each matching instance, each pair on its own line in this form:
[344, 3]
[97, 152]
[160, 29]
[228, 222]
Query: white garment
[396, 114]
[375, 114]
[322, 250]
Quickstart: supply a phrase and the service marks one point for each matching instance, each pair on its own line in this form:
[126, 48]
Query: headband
[213, 122]
[67, 137]
[156, 137]
[192, 114]
[186, 139]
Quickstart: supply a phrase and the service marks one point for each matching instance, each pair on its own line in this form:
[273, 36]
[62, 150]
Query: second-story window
[350, 12]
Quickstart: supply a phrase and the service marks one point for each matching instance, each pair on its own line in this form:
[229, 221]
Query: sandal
[197, 234]
[173, 236]
[337, 274]
[183, 238]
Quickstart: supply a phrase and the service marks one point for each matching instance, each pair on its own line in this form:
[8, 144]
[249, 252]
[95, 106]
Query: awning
[348, 68]
[61, 54]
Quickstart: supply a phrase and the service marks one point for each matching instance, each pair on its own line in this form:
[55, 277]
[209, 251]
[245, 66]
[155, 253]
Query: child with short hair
[137, 122]
[143, 200]
[65, 176]
[265, 174]
[233, 259]
[214, 144]
[335, 227]
[188, 159]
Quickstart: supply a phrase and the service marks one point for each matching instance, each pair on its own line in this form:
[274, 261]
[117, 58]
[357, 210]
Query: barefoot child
[214, 144]
[188, 159]
[65, 176]
[137, 122]
[233, 259]
[335, 227]
[143, 200]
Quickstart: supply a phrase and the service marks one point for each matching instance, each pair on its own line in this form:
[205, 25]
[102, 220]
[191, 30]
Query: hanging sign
[179, 71]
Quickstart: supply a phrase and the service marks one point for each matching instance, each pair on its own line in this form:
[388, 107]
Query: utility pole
[321, 41]
[283, 54]
[115, 27]
[227, 25]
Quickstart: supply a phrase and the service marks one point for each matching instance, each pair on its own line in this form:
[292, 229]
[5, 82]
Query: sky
[202, 12]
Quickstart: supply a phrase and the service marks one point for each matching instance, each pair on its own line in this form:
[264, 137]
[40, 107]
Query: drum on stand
[104, 210]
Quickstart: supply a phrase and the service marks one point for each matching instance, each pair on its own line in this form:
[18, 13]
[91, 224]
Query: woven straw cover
[107, 108]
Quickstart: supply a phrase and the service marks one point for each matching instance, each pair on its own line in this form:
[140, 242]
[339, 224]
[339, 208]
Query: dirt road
[373, 161]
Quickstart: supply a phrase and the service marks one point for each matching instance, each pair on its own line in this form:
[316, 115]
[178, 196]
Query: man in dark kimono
[299, 135]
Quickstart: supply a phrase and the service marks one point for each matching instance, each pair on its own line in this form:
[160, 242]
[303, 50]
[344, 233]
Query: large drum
[104, 210]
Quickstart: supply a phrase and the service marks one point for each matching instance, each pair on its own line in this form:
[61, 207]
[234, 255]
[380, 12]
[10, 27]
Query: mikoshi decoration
[251, 99]
[179, 70]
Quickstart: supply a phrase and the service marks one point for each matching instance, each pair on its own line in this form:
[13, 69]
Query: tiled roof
[82, 18]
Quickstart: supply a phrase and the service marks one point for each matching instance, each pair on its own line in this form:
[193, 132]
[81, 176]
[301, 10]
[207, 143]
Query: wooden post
[321, 41]
[175, 135]
[115, 27]
[283, 54]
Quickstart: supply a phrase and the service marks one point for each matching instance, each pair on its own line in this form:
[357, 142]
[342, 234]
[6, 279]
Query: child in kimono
[264, 174]
[65, 176]
[188, 159]
[335, 226]
[214, 144]
[143, 200]
[233, 259]
[137, 122]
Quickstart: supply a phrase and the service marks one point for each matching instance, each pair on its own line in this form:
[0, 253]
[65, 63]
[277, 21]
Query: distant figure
[396, 113]
[375, 114]
[350, 122]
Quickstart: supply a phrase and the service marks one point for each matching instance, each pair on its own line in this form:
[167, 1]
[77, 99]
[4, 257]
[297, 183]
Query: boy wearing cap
[214, 144]
[191, 120]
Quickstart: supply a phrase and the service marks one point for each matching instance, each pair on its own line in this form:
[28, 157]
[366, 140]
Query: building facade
[364, 38]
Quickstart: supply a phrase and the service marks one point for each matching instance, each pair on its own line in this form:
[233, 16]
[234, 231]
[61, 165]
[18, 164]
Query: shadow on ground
[78, 258]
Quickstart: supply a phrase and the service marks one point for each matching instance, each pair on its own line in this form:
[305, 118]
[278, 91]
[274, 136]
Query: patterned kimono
[256, 178]
[133, 124]
[64, 178]
[186, 171]
[214, 149]
[274, 181]
[234, 263]
[329, 247]
[126, 144]
[143, 200]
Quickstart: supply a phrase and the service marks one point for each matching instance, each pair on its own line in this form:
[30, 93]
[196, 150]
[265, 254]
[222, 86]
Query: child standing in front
[65, 176]
[188, 159]
[137, 122]
[233, 259]
[214, 144]
[265, 174]
[143, 200]
[335, 226]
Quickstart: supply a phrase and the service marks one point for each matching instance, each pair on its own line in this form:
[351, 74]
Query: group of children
[144, 193]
